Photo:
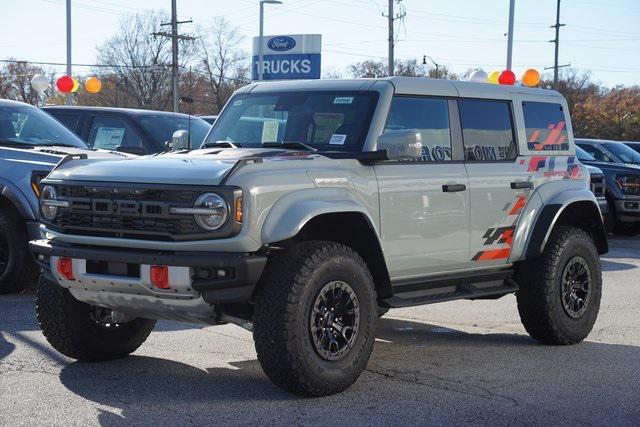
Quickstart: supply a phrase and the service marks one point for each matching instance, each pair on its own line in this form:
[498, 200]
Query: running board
[485, 285]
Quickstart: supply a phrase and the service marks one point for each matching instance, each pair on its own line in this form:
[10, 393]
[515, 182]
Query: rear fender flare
[17, 199]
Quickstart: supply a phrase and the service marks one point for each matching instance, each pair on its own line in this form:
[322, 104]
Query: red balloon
[64, 84]
[507, 77]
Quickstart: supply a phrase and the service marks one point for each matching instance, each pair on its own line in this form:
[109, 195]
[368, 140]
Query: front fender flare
[17, 199]
[290, 213]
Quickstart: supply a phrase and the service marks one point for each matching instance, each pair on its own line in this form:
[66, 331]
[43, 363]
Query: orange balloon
[531, 77]
[93, 85]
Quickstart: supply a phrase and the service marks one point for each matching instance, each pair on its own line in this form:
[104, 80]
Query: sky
[602, 36]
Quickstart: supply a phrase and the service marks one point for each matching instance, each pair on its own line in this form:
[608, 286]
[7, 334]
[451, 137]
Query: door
[491, 153]
[424, 213]
[114, 132]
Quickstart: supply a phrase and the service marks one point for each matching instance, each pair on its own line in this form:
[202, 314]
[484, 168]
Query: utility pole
[512, 5]
[392, 17]
[556, 41]
[69, 99]
[174, 36]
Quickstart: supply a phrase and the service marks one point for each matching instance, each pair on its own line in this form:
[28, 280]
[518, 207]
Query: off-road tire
[540, 295]
[70, 328]
[284, 301]
[20, 270]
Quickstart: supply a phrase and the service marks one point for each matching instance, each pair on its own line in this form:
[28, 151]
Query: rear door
[424, 205]
[498, 187]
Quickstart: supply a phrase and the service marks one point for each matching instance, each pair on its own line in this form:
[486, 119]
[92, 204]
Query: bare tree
[223, 65]
[139, 62]
[375, 69]
[15, 82]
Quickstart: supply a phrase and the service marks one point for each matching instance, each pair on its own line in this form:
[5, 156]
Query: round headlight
[214, 211]
[49, 211]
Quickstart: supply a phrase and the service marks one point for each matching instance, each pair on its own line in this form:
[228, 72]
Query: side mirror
[180, 140]
[401, 144]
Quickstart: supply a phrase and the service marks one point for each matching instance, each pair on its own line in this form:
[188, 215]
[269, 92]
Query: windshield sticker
[108, 138]
[237, 102]
[337, 139]
[270, 131]
[343, 100]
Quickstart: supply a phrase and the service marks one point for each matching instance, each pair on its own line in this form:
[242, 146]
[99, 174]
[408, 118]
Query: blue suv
[31, 144]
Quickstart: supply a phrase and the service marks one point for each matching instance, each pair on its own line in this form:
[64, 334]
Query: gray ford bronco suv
[312, 207]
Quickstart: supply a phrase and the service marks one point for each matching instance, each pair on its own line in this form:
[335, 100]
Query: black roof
[127, 111]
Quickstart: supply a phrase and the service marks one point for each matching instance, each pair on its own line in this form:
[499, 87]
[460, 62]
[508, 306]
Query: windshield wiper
[219, 144]
[289, 145]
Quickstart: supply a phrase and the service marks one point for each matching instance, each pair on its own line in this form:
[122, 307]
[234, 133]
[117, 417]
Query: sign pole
[512, 4]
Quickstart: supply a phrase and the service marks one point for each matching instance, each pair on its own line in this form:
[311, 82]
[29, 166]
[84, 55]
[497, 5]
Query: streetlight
[424, 62]
[260, 43]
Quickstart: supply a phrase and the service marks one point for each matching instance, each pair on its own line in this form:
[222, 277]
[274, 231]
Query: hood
[614, 167]
[197, 167]
[50, 156]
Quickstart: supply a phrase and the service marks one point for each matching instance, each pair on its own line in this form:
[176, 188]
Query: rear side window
[487, 130]
[430, 117]
[113, 133]
[71, 121]
[546, 126]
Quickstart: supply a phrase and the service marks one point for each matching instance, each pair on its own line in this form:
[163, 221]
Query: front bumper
[628, 209]
[243, 270]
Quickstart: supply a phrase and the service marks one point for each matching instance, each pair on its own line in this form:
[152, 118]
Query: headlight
[210, 211]
[49, 203]
[629, 184]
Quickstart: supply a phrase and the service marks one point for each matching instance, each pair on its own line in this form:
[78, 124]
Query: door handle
[452, 188]
[522, 185]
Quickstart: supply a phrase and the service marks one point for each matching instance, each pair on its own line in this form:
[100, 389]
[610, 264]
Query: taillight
[65, 268]
[160, 276]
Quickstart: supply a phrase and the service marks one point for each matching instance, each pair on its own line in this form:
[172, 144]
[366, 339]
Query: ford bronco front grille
[133, 211]
[598, 185]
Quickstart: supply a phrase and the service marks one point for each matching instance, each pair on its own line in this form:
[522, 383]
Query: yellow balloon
[93, 85]
[531, 77]
[76, 84]
[493, 77]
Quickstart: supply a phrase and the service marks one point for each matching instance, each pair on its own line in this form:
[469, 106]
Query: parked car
[209, 119]
[633, 144]
[622, 192]
[129, 130]
[609, 151]
[31, 144]
[598, 187]
[352, 194]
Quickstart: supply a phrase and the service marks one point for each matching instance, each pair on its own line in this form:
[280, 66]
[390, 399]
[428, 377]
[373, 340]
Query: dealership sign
[288, 57]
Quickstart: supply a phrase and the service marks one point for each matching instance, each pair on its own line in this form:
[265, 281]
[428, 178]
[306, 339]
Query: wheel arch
[582, 213]
[13, 198]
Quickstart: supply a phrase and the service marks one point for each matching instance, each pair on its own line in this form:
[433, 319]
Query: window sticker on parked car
[270, 131]
[343, 100]
[108, 138]
[337, 139]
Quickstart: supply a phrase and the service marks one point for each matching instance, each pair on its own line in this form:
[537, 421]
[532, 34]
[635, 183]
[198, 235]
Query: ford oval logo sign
[281, 43]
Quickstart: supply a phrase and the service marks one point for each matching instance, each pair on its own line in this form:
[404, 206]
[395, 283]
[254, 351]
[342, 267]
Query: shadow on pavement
[608, 265]
[494, 371]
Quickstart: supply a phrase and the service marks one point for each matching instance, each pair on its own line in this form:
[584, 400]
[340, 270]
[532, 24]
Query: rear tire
[311, 338]
[560, 291]
[71, 328]
[17, 268]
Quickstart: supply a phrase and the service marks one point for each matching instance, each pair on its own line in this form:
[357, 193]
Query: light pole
[424, 62]
[260, 42]
[512, 5]
[68, 97]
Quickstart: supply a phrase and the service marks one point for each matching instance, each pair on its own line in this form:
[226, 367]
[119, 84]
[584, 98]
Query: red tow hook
[65, 268]
[160, 276]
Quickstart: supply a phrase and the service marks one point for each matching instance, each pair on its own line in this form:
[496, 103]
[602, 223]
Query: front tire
[17, 269]
[314, 318]
[73, 328]
[560, 291]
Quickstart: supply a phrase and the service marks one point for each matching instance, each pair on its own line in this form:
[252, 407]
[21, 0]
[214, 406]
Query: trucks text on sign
[288, 57]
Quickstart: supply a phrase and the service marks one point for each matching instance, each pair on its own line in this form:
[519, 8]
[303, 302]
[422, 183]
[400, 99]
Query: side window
[429, 116]
[598, 154]
[487, 130]
[111, 133]
[545, 126]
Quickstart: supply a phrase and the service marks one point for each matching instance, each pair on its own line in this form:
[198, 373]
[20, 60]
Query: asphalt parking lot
[459, 362]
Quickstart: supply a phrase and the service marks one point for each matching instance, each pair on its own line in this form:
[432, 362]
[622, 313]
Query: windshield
[29, 126]
[162, 126]
[327, 121]
[583, 155]
[622, 152]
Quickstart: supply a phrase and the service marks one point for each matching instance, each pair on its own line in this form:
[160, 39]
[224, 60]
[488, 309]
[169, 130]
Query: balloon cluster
[530, 77]
[66, 84]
